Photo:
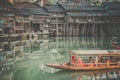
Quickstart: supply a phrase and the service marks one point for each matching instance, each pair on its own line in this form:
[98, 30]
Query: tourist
[73, 62]
[96, 61]
[80, 62]
[99, 59]
[111, 59]
[91, 60]
[107, 62]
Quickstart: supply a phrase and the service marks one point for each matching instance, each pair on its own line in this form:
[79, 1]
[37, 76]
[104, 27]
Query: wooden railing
[100, 64]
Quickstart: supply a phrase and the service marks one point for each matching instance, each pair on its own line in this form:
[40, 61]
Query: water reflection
[81, 43]
[27, 58]
[86, 75]
[9, 75]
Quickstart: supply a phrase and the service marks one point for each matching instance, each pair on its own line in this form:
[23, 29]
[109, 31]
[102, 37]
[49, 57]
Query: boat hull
[81, 68]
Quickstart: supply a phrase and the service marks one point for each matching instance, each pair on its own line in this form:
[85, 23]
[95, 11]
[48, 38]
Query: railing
[38, 21]
[54, 21]
[86, 21]
[19, 20]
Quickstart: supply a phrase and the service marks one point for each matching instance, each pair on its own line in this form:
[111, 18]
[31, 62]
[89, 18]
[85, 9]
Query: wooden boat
[115, 46]
[106, 60]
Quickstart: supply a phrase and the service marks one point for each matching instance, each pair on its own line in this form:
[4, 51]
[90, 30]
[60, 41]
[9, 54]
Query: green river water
[36, 53]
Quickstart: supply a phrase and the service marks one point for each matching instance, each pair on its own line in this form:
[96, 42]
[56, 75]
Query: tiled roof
[82, 7]
[112, 5]
[5, 3]
[21, 11]
[25, 5]
[54, 9]
[36, 11]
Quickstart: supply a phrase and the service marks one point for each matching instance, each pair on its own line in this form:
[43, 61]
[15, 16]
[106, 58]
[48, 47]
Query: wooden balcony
[24, 20]
[2, 26]
[18, 28]
[9, 26]
[56, 22]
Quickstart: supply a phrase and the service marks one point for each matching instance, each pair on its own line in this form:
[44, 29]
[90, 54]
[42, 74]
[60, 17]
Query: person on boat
[99, 59]
[107, 62]
[73, 60]
[111, 59]
[79, 62]
[96, 61]
[91, 60]
[118, 63]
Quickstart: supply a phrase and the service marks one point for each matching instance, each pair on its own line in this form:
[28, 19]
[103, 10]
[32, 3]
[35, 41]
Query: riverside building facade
[90, 20]
[67, 18]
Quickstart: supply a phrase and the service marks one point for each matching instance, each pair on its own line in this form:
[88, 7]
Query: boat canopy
[95, 52]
